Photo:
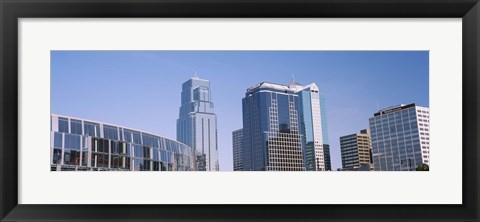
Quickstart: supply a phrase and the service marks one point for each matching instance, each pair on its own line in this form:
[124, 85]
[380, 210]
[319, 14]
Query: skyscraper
[356, 150]
[283, 123]
[237, 137]
[400, 137]
[311, 125]
[271, 134]
[197, 122]
[326, 143]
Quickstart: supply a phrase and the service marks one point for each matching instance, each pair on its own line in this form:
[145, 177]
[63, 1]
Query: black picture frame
[12, 10]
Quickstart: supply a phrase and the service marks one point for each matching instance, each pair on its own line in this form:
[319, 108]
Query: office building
[400, 137]
[326, 143]
[282, 123]
[85, 145]
[271, 134]
[237, 137]
[310, 125]
[197, 122]
[356, 150]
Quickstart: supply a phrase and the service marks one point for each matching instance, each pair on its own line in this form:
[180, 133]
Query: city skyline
[101, 79]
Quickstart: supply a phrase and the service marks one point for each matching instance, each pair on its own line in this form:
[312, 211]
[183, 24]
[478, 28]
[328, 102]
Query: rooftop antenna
[195, 75]
[293, 77]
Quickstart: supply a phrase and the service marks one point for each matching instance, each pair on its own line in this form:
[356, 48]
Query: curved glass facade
[78, 144]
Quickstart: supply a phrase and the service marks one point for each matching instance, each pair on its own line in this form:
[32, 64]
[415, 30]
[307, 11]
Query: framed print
[228, 110]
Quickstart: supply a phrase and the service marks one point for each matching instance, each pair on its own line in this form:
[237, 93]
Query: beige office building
[356, 150]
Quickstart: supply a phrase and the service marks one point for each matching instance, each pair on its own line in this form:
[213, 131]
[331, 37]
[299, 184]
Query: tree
[423, 167]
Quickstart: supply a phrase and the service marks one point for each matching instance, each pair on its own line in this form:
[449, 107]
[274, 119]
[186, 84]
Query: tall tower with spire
[197, 122]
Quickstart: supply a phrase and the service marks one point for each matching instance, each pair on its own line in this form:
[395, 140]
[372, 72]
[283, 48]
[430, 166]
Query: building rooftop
[291, 87]
[394, 108]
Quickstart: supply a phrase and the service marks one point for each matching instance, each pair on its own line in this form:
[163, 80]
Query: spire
[195, 76]
[293, 83]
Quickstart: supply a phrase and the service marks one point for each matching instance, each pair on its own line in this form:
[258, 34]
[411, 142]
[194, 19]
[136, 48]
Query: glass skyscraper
[400, 137]
[197, 122]
[311, 126]
[326, 143]
[282, 128]
[271, 134]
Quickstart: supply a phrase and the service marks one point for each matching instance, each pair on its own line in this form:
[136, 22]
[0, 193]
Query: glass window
[155, 154]
[127, 149]
[138, 151]
[57, 139]
[100, 145]
[149, 140]
[116, 147]
[84, 158]
[136, 137]
[146, 152]
[140, 164]
[72, 141]
[71, 157]
[163, 155]
[127, 135]
[104, 147]
[156, 166]
[75, 126]
[132, 136]
[57, 156]
[110, 132]
[91, 129]
[102, 160]
[63, 125]
[117, 162]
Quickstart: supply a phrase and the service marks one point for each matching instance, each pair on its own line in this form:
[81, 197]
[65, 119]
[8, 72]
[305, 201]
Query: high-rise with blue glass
[197, 122]
[311, 125]
[282, 128]
[271, 132]
[326, 143]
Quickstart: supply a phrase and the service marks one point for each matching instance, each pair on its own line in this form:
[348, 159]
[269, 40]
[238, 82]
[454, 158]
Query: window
[141, 165]
[57, 156]
[71, 157]
[76, 126]
[100, 145]
[57, 140]
[156, 166]
[91, 129]
[132, 136]
[110, 132]
[138, 151]
[72, 142]
[63, 125]
[146, 152]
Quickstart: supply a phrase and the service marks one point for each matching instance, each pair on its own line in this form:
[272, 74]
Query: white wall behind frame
[37, 185]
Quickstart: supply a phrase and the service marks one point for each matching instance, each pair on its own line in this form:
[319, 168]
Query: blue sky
[141, 89]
